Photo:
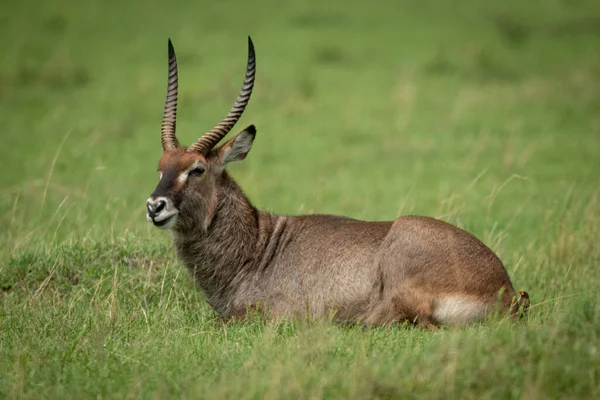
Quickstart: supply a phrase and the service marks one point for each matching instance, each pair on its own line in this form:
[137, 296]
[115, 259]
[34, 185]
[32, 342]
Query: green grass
[483, 114]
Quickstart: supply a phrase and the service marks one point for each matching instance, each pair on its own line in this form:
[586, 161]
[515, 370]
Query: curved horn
[167, 130]
[212, 137]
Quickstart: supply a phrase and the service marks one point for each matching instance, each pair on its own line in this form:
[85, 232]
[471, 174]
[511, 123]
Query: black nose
[155, 208]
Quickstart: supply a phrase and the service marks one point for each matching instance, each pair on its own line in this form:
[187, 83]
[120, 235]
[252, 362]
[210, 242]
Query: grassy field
[485, 114]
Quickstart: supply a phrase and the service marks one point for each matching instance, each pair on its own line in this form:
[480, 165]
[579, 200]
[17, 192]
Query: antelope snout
[161, 212]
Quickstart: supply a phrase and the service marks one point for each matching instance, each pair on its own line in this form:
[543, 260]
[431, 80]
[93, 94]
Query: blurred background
[482, 113]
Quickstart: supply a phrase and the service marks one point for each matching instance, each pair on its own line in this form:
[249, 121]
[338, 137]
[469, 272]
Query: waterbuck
[414, 269]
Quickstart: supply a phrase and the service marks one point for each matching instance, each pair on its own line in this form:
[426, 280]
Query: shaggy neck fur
[217, 238]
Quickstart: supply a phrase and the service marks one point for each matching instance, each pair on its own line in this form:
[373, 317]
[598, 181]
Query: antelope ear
[237, 149]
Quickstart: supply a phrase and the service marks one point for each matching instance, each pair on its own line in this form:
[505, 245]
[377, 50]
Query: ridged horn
[167, 130]
[212, 137]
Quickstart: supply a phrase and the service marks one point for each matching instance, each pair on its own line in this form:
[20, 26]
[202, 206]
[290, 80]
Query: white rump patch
[459, 309]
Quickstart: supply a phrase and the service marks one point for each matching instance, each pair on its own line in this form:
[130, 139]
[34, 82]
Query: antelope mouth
[165, 223]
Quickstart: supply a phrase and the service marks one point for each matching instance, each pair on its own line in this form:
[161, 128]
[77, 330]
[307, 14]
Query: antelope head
[186, 193]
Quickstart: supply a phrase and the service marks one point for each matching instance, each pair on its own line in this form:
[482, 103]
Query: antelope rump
[415, 269]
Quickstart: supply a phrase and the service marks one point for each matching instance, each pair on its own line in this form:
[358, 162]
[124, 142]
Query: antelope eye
[197, 171]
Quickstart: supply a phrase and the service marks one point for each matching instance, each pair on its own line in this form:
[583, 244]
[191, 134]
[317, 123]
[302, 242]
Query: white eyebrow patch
[184, 175]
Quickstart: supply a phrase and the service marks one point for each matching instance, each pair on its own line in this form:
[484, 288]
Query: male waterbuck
[415, 269]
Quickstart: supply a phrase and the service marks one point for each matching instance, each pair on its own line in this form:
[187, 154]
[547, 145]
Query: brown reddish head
[188, 175]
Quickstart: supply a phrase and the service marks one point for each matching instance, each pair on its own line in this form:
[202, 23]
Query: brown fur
[368, 272]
